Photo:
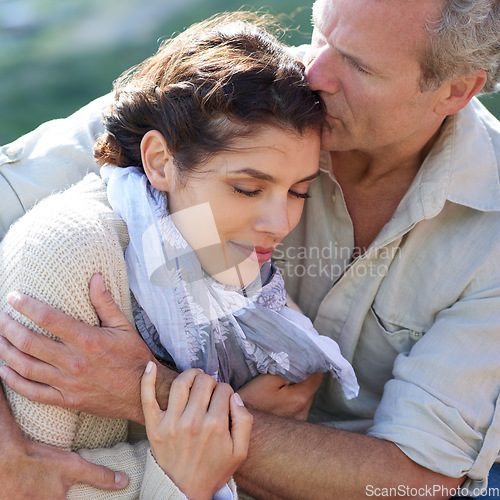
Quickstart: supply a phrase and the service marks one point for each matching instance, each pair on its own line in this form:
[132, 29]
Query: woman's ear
[459, 92]
[156, 160]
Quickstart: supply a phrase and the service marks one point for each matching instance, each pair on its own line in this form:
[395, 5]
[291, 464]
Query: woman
[223, 137]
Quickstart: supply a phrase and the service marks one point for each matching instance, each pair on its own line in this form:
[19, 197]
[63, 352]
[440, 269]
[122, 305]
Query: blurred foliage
[38, 87]
[492, 102]
[38, 84]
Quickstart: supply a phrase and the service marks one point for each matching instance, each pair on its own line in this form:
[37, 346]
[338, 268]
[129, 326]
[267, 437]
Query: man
[405, 217]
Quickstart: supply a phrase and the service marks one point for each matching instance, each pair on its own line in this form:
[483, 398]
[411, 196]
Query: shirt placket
[343, 310]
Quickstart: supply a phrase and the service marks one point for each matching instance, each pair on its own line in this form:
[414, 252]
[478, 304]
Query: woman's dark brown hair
[219, 80]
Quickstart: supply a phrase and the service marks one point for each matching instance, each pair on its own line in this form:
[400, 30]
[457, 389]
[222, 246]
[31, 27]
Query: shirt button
[333, 198]
[415, 335]
[13, 152]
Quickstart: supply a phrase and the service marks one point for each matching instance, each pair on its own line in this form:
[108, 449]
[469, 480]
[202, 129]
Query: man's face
[364, 60]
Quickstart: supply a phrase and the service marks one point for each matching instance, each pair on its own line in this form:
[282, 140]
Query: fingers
[97, 475]
[194, 395]
[107, 309]
[32, 390]
[45, 316]
[20, 349]
[218, 412]
[303, 393]
[63, 326]
[31, 343]
[241, 426]
[180, 391]
[310, 385]
[150, 407]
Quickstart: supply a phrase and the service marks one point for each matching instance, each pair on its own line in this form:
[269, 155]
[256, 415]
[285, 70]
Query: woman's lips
[263, 255]
[257, 254]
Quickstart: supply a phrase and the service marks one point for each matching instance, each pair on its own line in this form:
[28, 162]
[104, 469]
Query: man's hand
[33, 470]
[92, 369]
[273, 394]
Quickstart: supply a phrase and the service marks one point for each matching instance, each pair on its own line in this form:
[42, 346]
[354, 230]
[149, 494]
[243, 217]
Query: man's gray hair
[464, 40]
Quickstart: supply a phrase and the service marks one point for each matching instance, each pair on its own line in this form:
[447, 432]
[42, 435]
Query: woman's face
[238, 206]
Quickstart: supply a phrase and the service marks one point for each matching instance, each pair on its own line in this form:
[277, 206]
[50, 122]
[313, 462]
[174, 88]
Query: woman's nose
[275, 221]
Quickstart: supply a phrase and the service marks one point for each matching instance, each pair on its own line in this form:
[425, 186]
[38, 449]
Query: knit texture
[124, 458]
[158, 487]
[51, 254]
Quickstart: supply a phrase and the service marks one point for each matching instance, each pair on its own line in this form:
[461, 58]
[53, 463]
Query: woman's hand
[273, 394]
[202, 437]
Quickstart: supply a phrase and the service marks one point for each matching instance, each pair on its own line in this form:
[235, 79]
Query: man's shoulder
[79, 215]
[50, 158]
[50, 140]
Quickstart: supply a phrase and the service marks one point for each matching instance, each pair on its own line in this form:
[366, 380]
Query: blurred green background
[56, 56]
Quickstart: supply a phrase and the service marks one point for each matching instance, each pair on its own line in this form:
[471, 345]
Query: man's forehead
[324, 7]
[318, 11]
[373, 33]
[410, 17]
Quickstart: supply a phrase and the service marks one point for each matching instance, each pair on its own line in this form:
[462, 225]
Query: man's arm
[92, 369]
[27, 467]
[296, 460]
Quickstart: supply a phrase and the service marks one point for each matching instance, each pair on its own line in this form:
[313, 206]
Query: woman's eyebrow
[310, 178]
[257, 174]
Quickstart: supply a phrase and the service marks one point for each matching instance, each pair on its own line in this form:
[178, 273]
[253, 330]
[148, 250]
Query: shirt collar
[475, 180]
[461, 167]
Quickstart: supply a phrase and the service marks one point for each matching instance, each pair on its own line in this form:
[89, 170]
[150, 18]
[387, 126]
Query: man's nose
[321, 73]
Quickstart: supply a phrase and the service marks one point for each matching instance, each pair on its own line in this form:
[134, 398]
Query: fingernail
[149, 367]
[12, 298]
[120, 479]
[3, 372]
[101, 283]
[238, 400]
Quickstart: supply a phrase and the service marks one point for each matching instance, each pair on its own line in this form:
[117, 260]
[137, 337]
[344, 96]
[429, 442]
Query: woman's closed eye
[303, 196]
[247, 193]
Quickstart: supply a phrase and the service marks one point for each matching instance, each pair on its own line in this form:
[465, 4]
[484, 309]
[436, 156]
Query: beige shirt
[418, 314]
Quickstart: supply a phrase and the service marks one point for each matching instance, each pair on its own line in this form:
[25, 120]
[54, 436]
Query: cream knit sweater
[50, 254]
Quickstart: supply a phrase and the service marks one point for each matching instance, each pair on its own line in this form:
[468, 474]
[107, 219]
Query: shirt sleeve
[147, 480]
[156, 485]
[52, 157]
[442, 408]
